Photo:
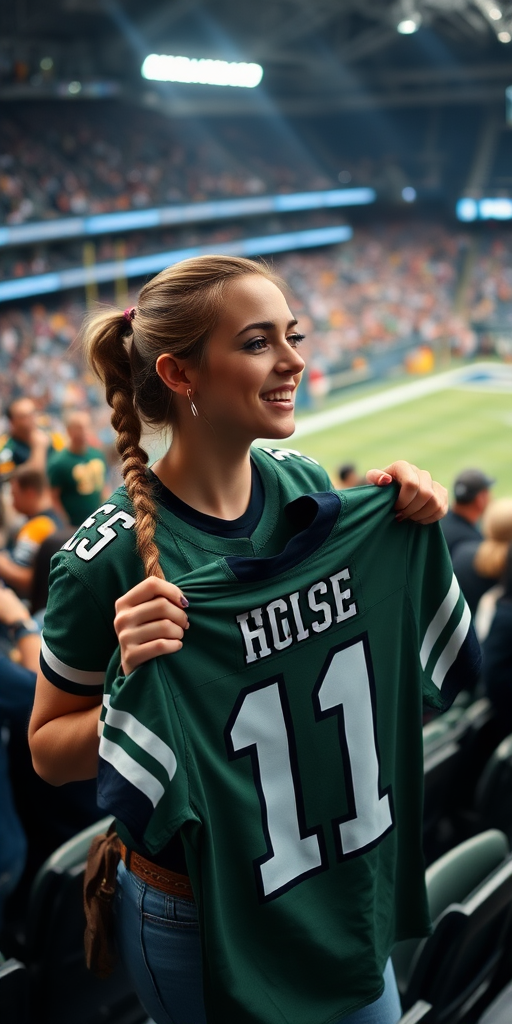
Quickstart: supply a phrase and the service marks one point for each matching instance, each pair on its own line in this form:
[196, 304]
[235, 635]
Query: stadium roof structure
[316, 57]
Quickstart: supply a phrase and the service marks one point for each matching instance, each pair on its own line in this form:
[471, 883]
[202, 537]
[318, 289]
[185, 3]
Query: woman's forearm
[66, 749]
[63, 734]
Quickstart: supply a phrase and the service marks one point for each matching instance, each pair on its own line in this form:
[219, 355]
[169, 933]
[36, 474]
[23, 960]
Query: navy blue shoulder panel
[465, 671]
[314, 515]
[117, 796]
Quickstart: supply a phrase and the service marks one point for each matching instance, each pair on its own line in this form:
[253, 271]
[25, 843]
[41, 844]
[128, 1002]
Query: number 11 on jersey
[261, 727]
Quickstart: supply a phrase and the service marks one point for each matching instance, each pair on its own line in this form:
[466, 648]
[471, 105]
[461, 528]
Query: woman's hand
[420, 498]
[150, 620]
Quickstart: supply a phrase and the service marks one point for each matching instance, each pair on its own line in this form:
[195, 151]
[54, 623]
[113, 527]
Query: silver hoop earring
[193, 407]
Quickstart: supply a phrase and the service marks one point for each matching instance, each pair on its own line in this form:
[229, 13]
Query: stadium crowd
[381, 290]
[121, 158]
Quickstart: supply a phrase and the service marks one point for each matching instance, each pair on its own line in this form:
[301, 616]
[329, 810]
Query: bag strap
[99, 888]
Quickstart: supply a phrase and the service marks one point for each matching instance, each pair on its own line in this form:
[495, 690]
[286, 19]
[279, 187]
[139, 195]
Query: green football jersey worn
[285, 741]
[80, 480]
[100, 563]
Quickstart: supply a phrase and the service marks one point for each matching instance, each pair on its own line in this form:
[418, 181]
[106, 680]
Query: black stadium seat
[62, 990]
[500, 1010]
[493, 797]
[13, 992]
[420, 1013]
[470, 897]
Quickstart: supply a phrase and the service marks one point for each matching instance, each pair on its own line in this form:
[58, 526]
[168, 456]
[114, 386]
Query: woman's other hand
[420, 498]
[150, 620]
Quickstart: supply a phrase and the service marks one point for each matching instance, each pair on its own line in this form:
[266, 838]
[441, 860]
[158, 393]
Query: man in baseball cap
[471, 497]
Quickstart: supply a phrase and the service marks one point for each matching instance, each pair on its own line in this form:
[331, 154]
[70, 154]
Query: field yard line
[386, 399]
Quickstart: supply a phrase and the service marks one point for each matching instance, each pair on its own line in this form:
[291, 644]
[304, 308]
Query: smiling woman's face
[252, 368]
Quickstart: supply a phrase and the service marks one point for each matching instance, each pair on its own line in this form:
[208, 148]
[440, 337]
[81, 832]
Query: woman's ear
[173, 374]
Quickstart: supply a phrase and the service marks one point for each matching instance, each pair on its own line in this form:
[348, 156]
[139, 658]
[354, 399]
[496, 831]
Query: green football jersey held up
[285, 742]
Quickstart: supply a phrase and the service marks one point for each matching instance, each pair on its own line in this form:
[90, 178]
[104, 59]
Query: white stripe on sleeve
[452, 648]
[131, 771]
[101, 720]
[74, 675]
[144, 738]
[439, 621]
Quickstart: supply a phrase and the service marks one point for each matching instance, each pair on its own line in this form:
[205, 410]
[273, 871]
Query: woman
[225, 348]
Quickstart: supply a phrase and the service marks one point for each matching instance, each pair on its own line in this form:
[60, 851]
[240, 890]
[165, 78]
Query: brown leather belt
[163, 879]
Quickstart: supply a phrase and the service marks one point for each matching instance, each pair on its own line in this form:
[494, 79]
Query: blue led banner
[493, 208]
[140, 266]
[186, 213]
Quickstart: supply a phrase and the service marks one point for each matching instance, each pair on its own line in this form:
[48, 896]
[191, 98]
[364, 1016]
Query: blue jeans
[158, 939]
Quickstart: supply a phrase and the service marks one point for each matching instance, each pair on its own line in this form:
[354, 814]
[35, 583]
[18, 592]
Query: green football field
[443, 432]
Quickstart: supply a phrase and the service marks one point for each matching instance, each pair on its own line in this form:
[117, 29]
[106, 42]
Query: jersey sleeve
[91, 571]
[448, 650]
[142, 773]
[78, 639]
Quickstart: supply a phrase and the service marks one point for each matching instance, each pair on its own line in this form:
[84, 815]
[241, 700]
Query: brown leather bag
[99, 889]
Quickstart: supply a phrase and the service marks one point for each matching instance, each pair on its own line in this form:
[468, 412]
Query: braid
[126, 423]
[104, 338]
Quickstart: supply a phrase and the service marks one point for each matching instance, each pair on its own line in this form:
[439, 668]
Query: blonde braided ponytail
[111, 362]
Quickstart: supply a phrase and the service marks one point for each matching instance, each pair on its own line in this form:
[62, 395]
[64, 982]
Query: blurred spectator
[480, 564]
[25, 443]
[31, 495]
[17, 684]
[471, 497]
[77, 474]
[497, 647]
[35, 818]
[348, 476]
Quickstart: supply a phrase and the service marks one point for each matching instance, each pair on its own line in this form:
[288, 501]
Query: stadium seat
[13, 992]
[456, 751]
[493, 797]
[420, 1013]
[440, 768]
[59, 979]
[500, 1010]
[436, 731]
[470, 897]
[478, 733]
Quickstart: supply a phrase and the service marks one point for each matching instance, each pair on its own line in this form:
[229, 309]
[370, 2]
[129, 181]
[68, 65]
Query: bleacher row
[461, 974]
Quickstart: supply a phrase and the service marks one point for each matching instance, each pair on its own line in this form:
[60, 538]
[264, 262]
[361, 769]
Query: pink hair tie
[129, 314]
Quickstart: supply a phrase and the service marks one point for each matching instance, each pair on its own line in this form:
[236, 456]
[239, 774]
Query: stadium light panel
[496, 209]
[508, 104]
[493, 208]
[201, 71]
[495, 13]
[504, 37]
[407, 26]
[467, 209]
